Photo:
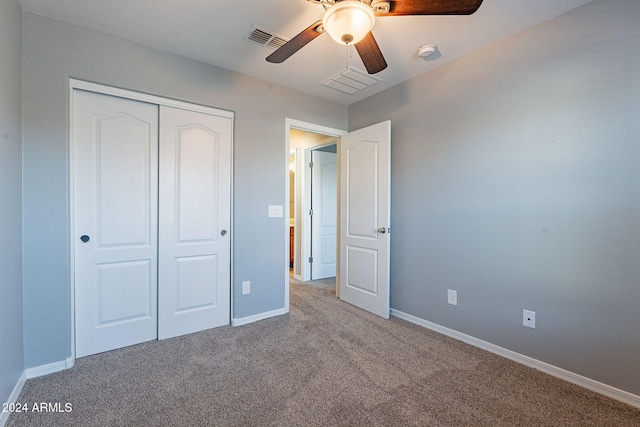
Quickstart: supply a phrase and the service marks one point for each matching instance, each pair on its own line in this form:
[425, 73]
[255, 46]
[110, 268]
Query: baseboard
[588, 383]
[250, 319]
[50, 368]
[13, 397]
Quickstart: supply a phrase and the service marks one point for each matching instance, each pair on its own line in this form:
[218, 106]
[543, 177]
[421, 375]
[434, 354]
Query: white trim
[588, 383]
[13, 397]
[144, 97]
[34, 372]
[261, 316]
[70, 225]
[70, 362]
[49, 368]
[232, 223]
[309, 127]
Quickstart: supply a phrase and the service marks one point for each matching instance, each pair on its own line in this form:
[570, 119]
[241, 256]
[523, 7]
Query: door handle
[84, 238]
[223, 232]
[382, 230]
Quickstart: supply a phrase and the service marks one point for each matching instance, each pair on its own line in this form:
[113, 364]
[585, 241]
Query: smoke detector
[427, 50]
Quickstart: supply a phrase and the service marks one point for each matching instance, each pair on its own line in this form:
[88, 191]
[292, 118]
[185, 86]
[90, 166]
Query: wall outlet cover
[246, 287]
[276, 211]
[529, 319]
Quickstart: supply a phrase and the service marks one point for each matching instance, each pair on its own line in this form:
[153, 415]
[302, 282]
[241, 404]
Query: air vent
[265, 38]
[351, 80]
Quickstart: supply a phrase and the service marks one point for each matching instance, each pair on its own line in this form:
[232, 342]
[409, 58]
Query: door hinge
[310, 259]
[311, 165]
[310, 212]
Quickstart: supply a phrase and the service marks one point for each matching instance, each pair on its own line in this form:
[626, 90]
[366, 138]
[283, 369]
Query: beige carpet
[324, 364]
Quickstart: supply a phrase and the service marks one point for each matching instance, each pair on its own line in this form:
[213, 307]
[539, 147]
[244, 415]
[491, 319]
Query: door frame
[75, 84]
[300, 167]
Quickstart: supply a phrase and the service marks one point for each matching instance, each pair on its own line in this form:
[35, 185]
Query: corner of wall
[13, 397]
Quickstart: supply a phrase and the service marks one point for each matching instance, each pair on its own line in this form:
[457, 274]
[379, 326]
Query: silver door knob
[223, 232]
[382, 230]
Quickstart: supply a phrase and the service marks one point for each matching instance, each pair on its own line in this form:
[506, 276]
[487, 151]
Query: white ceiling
[213, 31]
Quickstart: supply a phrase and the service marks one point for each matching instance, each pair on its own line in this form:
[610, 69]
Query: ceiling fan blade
[371, 54]
[296, 43]
[431, 7]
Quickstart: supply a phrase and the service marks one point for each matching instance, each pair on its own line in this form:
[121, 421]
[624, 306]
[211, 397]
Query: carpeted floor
[326, 363]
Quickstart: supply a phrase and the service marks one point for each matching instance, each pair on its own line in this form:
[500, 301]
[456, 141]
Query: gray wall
[516, 182]
[11, 354]
[53, 51]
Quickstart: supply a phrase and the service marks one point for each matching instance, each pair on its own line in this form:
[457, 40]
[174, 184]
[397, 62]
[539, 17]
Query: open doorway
[306, 142]
[313, 190]
[362, 244]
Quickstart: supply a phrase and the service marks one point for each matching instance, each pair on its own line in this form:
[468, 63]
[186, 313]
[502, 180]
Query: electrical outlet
[452, 297]
[246, 287]
[529, 319]
[276, 211]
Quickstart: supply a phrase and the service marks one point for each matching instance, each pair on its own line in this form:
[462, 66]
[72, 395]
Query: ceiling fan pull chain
[347, 56]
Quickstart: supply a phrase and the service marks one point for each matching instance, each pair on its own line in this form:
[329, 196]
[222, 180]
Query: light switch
[276, 211]
[452, 297]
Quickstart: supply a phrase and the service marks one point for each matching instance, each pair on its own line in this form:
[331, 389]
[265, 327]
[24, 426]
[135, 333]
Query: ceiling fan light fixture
[348, 21]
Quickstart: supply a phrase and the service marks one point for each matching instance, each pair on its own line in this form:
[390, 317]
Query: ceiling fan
[349, 22]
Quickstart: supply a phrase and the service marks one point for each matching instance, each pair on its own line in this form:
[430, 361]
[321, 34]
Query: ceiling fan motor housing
[349, 21]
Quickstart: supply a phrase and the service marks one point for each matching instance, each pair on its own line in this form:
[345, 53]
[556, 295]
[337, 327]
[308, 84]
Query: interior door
[325, 214]
[195, 221]
[115, 221]
[365, 165]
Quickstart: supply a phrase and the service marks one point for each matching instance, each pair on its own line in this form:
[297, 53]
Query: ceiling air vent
[351, 80]
[265, 38]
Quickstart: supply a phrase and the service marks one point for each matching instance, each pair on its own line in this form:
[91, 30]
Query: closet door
[115, 157]
[195, 221]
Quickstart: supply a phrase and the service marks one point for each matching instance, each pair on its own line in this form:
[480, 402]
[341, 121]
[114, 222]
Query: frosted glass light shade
[349, 21]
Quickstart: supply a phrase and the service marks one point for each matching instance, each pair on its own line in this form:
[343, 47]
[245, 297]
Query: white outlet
[246, 287]
[529, 319]
[452, 297]
[276, 211]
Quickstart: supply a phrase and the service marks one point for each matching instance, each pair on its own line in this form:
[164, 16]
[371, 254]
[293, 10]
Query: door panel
[122, 161]
[365, 218]
[324, 188]
[195, 220]
[363, 186]
[361, 274]
[196, 169]
[131, 278]
[115, 206]
[194, 287]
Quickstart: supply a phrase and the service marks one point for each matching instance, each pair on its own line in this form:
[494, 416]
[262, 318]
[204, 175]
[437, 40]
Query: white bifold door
[151, 221]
